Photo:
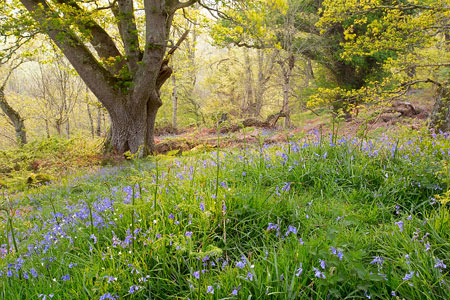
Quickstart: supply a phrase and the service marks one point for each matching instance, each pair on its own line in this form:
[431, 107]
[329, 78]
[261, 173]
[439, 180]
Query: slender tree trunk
[58, 127]
[174, 102]
[261, 86]
[47, 128]
[104, 121]
[287, 72]
[248, 103]
[91, 121]
[99, 121]
[285, 108]
[309, 72]
[14, 117]
[68, 128]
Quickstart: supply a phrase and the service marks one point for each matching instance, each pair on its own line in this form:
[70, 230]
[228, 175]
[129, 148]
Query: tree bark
[91, 121]
[68, 128]
[287, 68]
[174, 102]
[99, 122]
[440, 116]
[14, 117]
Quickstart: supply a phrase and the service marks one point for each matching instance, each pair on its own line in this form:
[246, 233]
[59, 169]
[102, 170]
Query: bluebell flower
[110, 278]
[93, 237]
[272, 226]
[299, 271]
[188, 234]
[44, 297]
[409, 275]
[65, 278]
[171, 216]
[71, 265]
[202, 207]
[292, 229]
[249, 276]
[286, 187]
[210, 290]
[322, 263]
[440, 264]
[224, 264]
[400, 225]
[34, 273]
[108, 296]
[340, 255]
[133, 288]
[378, 260]
[318, 274]
[196, 274]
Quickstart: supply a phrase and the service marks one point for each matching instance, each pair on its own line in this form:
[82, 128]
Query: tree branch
[99, 80]
[188, 3]
[101, 41]
[124, 12]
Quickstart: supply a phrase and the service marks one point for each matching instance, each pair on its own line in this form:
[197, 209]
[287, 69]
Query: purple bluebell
[322, 264]
[65, 278]
[286, 187]
[108, 296]
[318, 274]
[210, 289]
[134, 288]
[440, 264]
[299, 271]
[409, 275]
[196, 274]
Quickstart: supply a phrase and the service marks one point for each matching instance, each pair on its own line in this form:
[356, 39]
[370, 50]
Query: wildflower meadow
[318, 217]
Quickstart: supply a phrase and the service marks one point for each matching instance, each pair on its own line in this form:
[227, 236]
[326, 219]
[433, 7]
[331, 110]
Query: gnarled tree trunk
[14, 117]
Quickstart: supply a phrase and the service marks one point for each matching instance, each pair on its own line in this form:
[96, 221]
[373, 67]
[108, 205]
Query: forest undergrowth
[317, 218]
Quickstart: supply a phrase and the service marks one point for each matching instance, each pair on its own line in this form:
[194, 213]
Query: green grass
[165, 226]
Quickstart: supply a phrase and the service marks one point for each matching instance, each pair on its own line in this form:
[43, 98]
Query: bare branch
[188, 3]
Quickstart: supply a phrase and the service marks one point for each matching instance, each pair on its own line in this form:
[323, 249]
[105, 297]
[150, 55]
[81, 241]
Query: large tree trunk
[440, 116]
[14, 117]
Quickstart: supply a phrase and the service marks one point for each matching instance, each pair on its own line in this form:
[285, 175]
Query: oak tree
[119, 50]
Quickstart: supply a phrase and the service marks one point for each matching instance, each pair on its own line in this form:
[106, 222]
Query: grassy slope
[165, 230]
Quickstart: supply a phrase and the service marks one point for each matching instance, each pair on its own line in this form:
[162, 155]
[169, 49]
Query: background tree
[12, 114]
[416, 34]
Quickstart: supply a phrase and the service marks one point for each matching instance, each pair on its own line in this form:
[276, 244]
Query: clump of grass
[314, 218]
